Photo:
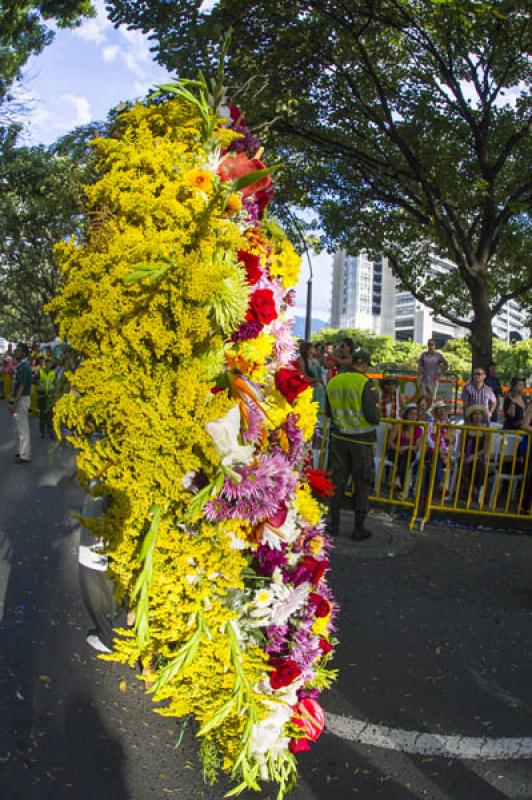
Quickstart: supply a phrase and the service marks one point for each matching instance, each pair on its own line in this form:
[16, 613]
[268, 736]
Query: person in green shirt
[19, 405]
[352, 406]
[46, 380]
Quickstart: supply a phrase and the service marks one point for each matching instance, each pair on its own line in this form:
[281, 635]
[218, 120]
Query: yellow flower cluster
[284, 263]
[151, 296]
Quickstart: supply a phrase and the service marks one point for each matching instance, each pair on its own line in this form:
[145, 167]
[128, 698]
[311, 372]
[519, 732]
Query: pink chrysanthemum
[284, 348]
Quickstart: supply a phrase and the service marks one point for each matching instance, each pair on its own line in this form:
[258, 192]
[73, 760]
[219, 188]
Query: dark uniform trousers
[355, 461]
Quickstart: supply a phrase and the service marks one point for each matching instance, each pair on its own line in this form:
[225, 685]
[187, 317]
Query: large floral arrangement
[178, 302]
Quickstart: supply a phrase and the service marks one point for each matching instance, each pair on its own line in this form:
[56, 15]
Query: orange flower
[200, 179]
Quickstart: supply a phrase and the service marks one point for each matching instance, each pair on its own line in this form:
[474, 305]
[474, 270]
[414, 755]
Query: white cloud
[94, 29]
[110, 53]
[321, 285]
[82, 108]
[136, 52]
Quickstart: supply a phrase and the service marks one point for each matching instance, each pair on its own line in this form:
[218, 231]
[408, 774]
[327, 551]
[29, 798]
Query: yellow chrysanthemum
[307, 411]
[306, 505]
[233, 205]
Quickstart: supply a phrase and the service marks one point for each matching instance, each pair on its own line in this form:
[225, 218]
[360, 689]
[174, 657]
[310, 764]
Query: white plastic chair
[511, 445]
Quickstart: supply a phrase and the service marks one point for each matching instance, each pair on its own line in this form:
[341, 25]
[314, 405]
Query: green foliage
[25, 30]
[387, 353]
[40, 205]
[210, 760]
[403, 123]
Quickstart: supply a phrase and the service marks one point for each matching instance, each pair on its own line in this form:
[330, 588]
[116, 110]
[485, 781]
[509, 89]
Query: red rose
[325, 646]
[299, 745]
[310, 718]
[290, 382]
[239, 165]
[251, 265]
[285, 672]
[262, 306]
[322, 607]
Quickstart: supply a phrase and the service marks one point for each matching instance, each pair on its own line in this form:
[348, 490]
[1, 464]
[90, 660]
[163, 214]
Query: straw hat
[470, 410]
[439, 404]
[407, 408]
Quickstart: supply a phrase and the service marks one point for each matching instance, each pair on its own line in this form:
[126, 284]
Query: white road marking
[428, 744]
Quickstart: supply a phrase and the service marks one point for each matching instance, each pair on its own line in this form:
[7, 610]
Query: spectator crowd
[32, 377]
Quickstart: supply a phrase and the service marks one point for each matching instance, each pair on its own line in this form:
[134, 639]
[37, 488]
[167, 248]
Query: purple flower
[264, 486]
[312, 693]
[252, 210]
[217, 509]
[305, 649]
[296, 444]
[248, 330]
[270, 558]
[277, 639]
[255, 420]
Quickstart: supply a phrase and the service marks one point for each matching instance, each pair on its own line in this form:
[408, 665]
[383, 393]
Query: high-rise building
[366, 295]
[363, 293]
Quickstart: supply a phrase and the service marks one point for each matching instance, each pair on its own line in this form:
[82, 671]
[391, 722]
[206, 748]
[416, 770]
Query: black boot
[360, 533]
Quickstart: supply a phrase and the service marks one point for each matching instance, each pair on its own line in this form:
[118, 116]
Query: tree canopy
[40, 205]
[25, 30]
[404, 123]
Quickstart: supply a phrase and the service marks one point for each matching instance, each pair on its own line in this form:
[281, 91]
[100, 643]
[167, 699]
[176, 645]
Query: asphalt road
[436, 637]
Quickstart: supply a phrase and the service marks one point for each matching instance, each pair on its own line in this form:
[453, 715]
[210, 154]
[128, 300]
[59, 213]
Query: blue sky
[87, 71]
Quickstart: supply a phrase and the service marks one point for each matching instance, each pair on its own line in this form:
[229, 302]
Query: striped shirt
[484, 396]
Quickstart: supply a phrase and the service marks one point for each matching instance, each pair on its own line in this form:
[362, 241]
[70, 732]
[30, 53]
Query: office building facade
[366, 295]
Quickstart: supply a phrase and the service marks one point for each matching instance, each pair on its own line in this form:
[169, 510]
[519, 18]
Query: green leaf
[252, 177]
[218, 717]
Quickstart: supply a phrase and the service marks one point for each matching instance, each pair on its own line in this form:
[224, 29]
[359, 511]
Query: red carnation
[250, 263]
[319, 482]
[285, 672]
[322, 607]
[262, 306]
[290, 382]
[239, 165]
[309, 570]
[325, 646]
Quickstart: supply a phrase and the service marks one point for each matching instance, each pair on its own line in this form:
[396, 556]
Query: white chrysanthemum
[289, 602]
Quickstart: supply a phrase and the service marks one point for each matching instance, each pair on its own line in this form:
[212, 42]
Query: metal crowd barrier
[487, 471]
[449, 467]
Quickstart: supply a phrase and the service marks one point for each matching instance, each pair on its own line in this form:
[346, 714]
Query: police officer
[352, 405]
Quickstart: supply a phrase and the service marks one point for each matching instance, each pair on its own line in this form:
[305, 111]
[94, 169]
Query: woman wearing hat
[407, 438]
[438, 433]
[475, 452]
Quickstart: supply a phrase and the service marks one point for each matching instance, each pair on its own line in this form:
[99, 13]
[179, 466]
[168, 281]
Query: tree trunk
[481, 324]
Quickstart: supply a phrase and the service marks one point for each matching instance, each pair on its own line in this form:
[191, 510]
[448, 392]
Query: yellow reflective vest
[344, 393]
